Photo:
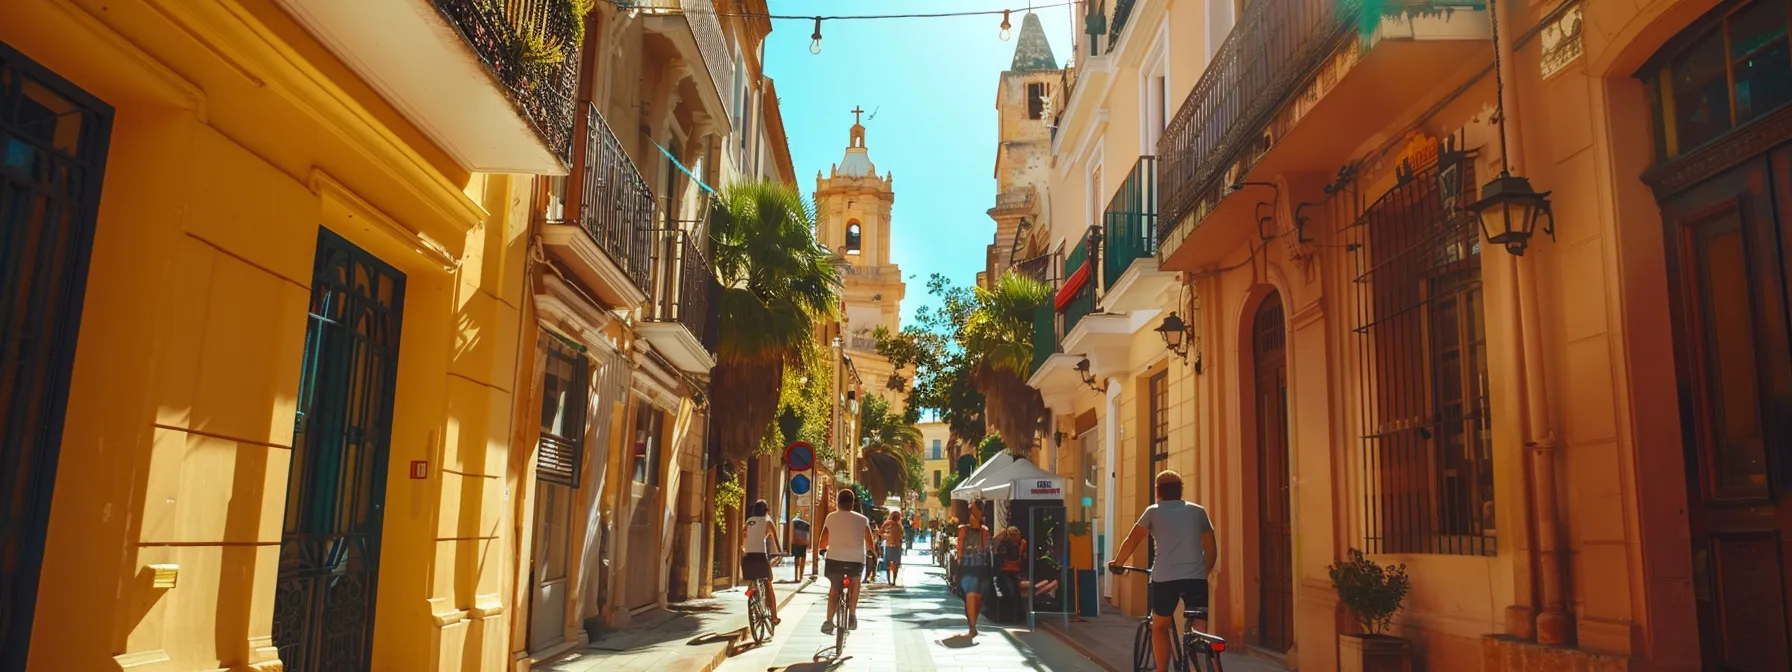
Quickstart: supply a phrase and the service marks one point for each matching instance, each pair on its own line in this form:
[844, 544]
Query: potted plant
[1372, 594]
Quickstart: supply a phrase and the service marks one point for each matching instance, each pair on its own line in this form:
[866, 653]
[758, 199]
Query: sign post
[799, 457]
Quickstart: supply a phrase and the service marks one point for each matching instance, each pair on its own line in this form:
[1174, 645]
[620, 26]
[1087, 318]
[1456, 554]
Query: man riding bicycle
[846, 540]
[1185, 554]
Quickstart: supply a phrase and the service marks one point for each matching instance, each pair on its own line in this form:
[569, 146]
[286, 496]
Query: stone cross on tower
[858, 130]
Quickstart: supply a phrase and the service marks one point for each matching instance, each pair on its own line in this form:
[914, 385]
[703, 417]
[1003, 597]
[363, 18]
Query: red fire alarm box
[419, 469]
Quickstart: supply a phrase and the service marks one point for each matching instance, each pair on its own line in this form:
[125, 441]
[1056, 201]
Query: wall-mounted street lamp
[1082, 369]
[1509, 208]
[1176, 338]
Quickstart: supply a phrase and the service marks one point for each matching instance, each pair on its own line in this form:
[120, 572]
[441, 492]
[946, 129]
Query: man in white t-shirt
[846, 539]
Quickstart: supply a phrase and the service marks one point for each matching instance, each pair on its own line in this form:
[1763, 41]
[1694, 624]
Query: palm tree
[777, 284]
[999, 338]
[891, 460]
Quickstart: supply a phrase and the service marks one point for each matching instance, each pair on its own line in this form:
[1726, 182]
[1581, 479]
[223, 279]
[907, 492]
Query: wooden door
[1275, 616]
[548, 566]
[1727, 254]
[642, 563]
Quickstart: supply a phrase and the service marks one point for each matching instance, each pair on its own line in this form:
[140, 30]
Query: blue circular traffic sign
[799, 456]
[799, 484]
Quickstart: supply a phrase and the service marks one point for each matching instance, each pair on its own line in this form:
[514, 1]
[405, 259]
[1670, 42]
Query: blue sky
[932, 83]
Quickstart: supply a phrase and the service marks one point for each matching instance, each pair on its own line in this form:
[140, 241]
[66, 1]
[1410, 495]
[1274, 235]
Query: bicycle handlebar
[1122, 569]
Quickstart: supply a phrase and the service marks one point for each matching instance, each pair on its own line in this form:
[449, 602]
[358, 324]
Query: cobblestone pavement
[916, 626]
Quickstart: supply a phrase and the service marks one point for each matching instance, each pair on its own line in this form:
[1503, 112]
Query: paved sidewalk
[915, 626]
[1108, 639]
[691, 636]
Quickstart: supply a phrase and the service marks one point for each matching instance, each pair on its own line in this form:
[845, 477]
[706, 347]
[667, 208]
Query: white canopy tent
[966, 488]
[1012, 478]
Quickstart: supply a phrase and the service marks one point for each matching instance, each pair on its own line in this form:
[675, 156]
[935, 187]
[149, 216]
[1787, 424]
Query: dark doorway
[1275, 557]
[336, 492]
[1727, 243]
[53, 140]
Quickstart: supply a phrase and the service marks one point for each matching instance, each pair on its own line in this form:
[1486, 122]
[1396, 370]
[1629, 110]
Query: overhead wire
[626, 4]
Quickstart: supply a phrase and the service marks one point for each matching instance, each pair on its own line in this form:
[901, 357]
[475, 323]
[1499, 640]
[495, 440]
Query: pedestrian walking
[973, 558]
[892, 533]
[799, 542]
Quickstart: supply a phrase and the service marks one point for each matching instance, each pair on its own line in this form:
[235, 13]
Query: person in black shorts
[1185, 553]
[757, 542]
[846, 539]
[799, 542]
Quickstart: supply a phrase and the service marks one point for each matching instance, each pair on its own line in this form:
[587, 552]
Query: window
[1158, 390]
[852, 237]
[1730, 68]
[1426, 462]
[648, 425]
[564, 391]
[936, 450]
[1037, 93]
[936, 479]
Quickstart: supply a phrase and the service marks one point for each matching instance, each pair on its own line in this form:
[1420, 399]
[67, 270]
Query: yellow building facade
[309, 286]
[1555, 434]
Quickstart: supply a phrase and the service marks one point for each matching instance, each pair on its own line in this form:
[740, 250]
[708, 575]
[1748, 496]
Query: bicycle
[1192, 642]
[759, 619]
[843, 615]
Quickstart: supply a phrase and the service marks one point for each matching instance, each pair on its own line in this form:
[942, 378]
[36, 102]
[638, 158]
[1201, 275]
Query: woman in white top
[754, 563]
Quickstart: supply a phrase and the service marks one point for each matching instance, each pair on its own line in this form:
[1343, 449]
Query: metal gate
[53, 142]
[336, 493]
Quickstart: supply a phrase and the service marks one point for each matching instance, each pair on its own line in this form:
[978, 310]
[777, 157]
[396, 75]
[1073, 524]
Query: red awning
[1071, 285]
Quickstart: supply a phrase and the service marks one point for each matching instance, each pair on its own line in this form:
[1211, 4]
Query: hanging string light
[815, 37]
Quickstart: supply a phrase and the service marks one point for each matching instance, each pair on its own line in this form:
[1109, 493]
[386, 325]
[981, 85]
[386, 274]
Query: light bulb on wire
[815, 38]
[1005, 26]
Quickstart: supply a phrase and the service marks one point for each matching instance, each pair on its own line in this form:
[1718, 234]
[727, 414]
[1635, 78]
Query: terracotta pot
[1374, 653]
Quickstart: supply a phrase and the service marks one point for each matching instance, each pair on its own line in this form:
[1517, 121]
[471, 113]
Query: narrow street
[915, 626]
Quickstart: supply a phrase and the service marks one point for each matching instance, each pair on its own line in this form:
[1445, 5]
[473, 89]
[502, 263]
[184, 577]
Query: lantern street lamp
[1175, 333]
[1510, 210]
[1082, 369]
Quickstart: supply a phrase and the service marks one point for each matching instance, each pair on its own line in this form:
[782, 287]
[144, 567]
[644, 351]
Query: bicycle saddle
[1200, 614]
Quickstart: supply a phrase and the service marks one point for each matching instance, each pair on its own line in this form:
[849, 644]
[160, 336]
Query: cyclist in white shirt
[755, 563]
[846, 539]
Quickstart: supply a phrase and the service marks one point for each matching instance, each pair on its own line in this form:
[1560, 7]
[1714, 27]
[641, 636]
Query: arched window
[852, 237]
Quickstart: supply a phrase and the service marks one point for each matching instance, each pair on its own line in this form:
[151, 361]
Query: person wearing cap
[1185, 554]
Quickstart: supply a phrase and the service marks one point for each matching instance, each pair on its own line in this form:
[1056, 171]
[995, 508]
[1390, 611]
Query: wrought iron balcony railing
[1122, 12]
[1038, 268]
[532, 47]
[706, 30]
[1082, 299]
[1130, 222]
[615, 205]
[685, 282]
[1271, 52]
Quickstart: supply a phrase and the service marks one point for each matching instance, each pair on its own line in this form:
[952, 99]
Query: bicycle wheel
[841, 619]
[758, 624]
[1141, 649]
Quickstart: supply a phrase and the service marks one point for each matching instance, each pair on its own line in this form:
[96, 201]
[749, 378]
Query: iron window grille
[565, 391]
[53, 143]
[1426, 462]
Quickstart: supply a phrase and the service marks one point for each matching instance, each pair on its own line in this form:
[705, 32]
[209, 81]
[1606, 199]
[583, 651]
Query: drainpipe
[1554, 624]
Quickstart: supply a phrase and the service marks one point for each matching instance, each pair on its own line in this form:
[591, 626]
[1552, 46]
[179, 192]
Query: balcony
[677, 322]
[1286, 63]
[490, 81]
[1053, 372]
[694, 29]
[1117, 25]
[606, 245]
[1129, 234]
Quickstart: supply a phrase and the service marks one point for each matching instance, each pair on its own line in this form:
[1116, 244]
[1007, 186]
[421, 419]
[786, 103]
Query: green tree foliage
[777, 284]
[891, 462]
[991, 446]
[808, 391]
[932, 347]
[946, 485]
[998, 336]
